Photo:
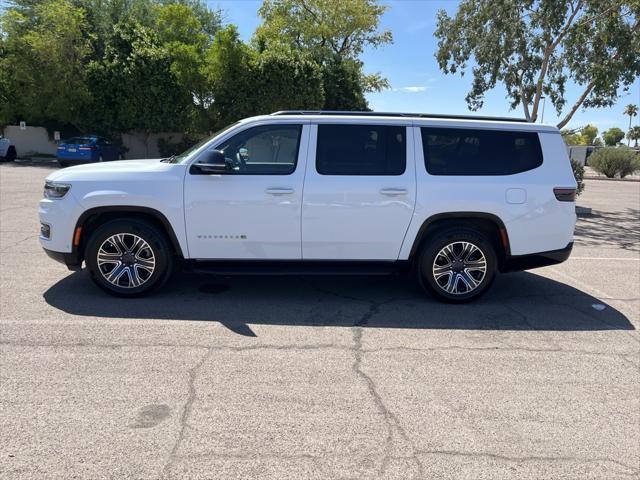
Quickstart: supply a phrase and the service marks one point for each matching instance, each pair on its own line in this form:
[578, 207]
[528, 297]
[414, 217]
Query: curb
[613, 179]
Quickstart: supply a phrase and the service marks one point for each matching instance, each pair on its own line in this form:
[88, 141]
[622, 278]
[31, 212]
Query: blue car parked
[87, 149]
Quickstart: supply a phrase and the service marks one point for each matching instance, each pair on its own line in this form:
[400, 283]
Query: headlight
[55, 190]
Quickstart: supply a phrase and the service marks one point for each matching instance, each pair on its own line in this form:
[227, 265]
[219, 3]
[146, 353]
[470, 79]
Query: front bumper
[72, 260]
[517, 263]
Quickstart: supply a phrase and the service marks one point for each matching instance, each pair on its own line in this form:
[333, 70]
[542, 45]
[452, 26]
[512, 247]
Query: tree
[630, 110]
[227, 69]
[342, 81]
[581, 136]
[133, 86]
[42, 66]
[286, 80]
[534, 47]
[334, 33]
[634, 134]
[612, 136]
[340, 27]
[185, 39]
[590, 132]
[245, 82]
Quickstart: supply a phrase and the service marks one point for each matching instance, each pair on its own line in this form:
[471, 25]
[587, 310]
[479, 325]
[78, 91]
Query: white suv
[453, 199]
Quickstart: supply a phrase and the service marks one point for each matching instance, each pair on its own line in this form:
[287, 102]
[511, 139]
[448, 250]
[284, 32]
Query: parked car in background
[88, 149]
[7, 150]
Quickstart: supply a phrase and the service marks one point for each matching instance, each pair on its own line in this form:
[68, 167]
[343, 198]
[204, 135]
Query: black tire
[63, 164]
[158, 244]
[431, 256]
[11, 154]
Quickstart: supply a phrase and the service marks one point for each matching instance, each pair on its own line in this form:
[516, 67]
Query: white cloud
[415, 89]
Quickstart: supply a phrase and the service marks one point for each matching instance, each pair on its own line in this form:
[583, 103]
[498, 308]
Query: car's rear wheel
[63, 164]
[457, 265]
[129, 257]
[11, 154]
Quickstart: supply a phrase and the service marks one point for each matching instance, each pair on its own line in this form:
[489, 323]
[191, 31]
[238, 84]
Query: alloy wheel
[459, 268]
[126, 260]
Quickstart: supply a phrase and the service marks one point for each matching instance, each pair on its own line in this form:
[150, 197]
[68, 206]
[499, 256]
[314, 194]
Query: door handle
[279, 191]
[394, 192]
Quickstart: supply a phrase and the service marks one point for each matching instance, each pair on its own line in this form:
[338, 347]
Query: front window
[263, 150]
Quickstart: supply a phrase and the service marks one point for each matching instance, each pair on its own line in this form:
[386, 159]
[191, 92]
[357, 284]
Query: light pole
[544, 102]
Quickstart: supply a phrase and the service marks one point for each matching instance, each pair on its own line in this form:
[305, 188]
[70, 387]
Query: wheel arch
[94, 217]
[488, 223]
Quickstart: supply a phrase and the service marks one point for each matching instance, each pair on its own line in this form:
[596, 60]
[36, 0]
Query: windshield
[186, 155]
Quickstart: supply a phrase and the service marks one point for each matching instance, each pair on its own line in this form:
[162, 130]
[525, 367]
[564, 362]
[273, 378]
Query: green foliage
[612, 162]
[112, 66]
[578, 173]
[333, 33]
[590, 132]
[584, 136]
[245, 82]
[168, 148]
[634, 134]
[323, 27]
[133, 86]
[342, 81]
[42, 66]
[286, 81]
[612, 136]
[631, 110]
[533, 47]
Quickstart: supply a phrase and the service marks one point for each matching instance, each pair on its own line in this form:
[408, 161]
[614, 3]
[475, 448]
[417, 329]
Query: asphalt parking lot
[324, 377]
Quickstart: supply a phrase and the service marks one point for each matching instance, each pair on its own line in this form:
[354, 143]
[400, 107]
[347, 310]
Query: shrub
[578, 172]
[167, 148]
[621, 161]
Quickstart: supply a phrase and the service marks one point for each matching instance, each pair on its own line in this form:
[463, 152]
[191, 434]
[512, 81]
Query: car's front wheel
[129, 257]
[457, 265]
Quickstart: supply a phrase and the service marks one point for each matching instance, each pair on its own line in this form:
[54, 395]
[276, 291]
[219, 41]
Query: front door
[359, 191]
[252, 210]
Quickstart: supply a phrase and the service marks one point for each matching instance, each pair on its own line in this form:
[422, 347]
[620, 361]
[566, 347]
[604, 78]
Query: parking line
[606, 258]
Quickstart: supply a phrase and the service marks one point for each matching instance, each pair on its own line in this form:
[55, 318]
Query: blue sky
[417, 84]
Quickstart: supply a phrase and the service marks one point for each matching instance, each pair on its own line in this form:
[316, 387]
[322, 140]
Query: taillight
[565, 194]
[92, 148]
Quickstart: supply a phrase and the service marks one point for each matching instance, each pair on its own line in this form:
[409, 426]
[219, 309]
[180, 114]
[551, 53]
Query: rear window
[453, 151]
[361, 150]
[80, 140]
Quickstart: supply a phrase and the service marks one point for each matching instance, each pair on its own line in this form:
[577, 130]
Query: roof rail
[398, 114]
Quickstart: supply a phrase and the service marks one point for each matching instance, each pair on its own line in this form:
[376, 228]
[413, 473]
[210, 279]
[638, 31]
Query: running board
[293, 267]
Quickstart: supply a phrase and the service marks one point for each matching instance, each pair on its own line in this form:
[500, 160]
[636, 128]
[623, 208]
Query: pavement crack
[186, 412]
[496, 349]
[15, 244]
[392, 423]
[316, 346]
[630, 470]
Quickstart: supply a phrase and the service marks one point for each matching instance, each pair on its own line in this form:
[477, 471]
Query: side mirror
[212, 161]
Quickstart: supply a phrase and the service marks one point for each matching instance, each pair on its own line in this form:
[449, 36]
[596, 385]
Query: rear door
[359, 191]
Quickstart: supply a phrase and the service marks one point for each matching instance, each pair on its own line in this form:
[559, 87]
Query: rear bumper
[78, 158]
[72, 260]
[517, 263]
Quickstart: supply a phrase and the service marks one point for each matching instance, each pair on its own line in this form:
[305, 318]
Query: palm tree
[632, 111]
[634, 134]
